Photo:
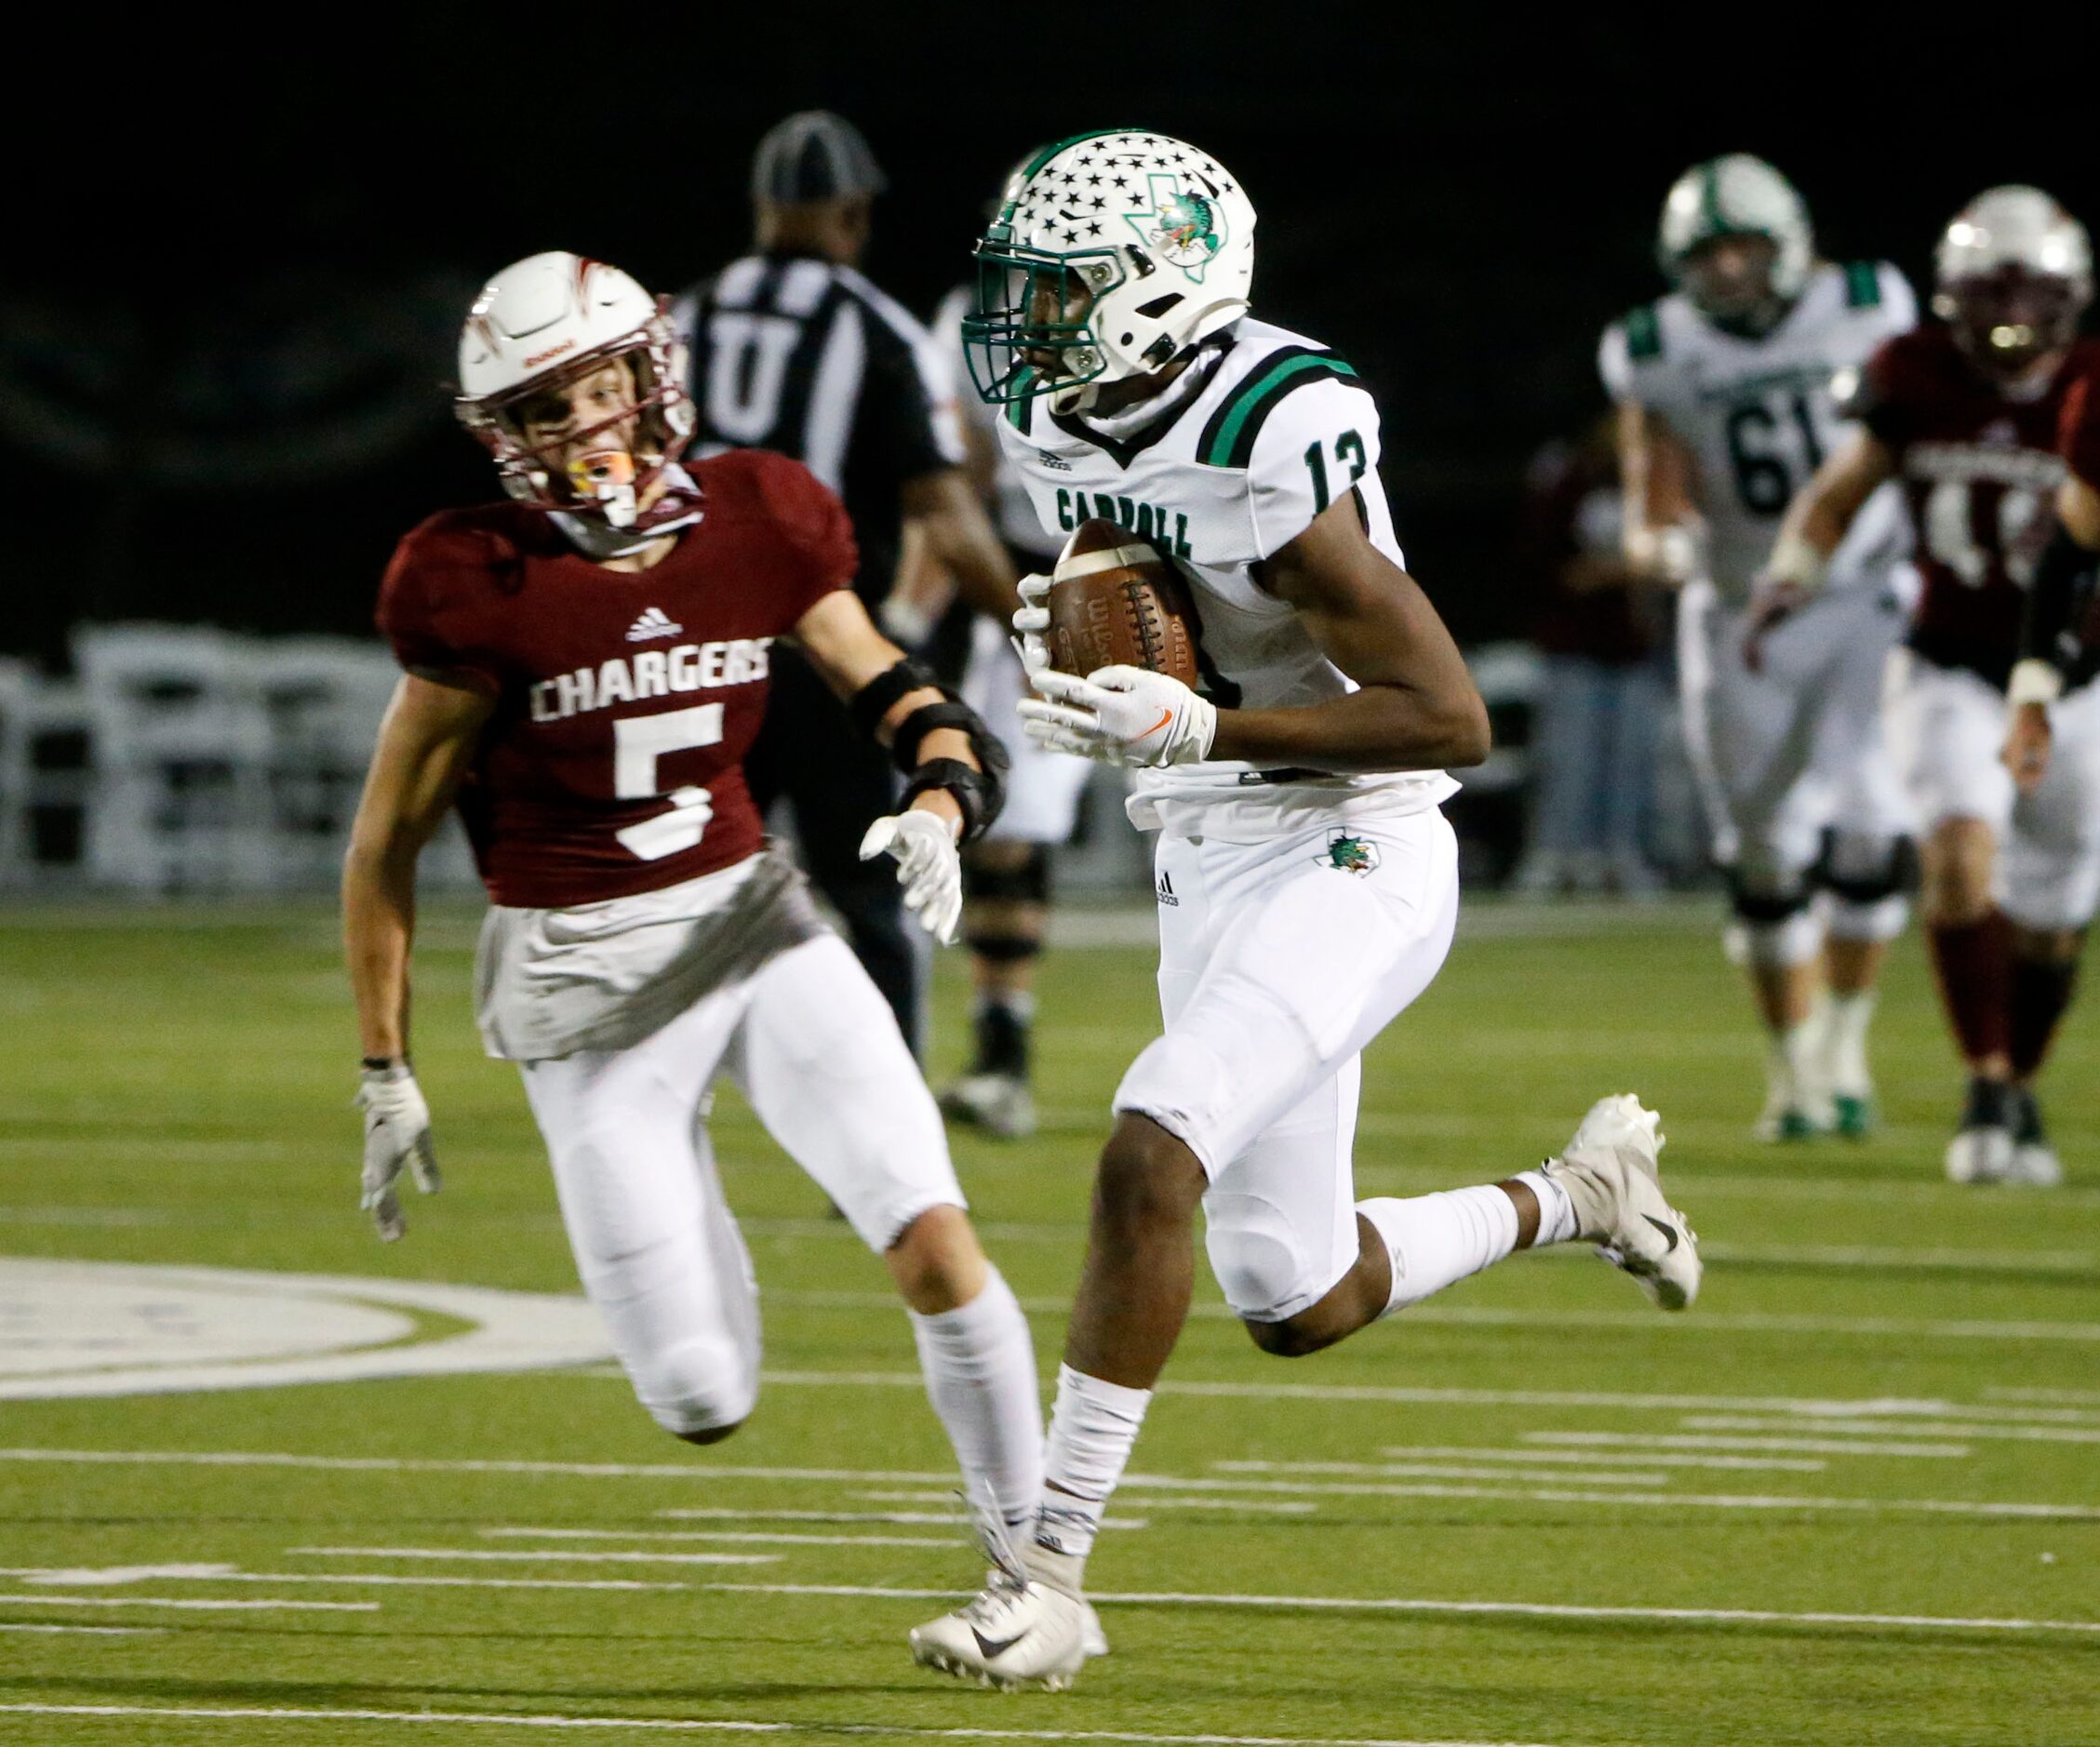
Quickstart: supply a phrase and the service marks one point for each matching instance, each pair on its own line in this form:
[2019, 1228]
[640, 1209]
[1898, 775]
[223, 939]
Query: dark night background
[221, 363]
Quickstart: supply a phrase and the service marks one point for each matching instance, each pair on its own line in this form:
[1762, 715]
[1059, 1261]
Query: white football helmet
[543, 321]
[2012, 274]
[1738, 195]
[1111, 255]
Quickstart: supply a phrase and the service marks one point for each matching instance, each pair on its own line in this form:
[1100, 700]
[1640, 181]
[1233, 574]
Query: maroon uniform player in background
[1966, 413]
[586, 666]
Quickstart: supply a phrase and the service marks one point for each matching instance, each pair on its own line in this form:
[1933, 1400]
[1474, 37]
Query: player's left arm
[952, 764]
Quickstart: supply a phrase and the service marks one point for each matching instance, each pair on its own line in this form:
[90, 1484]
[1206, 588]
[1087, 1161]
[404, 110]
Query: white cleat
[1983, 1148]
[1610, 1174]
[998, 1103]
[1013, 1635]
[2034, 1164]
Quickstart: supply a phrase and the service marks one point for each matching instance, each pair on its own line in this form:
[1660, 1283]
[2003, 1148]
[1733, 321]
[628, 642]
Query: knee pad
[1029, 882]
[1863, 870]
[1766, 899]
[1260, 1266]
[699, 1386]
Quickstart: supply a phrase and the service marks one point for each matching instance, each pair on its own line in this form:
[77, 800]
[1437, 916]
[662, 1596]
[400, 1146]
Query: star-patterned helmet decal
[1071, 201]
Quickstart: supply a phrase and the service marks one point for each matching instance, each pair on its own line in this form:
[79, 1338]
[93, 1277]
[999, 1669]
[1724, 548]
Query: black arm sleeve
[2057, 619]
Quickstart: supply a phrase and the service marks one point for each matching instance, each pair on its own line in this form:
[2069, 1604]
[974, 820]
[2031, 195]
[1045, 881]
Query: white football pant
[1792, 751]
[1278, 964]
[1948, 725]
[817, 1052]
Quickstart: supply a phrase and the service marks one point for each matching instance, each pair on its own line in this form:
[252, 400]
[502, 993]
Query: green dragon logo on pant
[1347, 854]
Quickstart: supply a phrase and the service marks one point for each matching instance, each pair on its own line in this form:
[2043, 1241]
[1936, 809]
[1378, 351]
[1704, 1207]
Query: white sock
[1433, 1240]
[1557, 1211]
[1790, 1063]
[1844, 1041]
[1093, 1430]
[980, 1369]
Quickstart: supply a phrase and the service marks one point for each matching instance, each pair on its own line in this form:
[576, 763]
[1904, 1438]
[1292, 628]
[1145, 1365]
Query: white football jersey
[1760, 416]
[1278, 429]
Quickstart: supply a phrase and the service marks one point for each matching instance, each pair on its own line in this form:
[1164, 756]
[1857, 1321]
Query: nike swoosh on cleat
[1669, 1231]
[993, 1647]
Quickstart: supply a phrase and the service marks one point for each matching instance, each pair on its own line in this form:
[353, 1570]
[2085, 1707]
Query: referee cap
[813, 156]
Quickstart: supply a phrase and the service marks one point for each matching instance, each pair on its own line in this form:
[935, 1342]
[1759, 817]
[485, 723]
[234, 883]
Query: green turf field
[1853, 1496]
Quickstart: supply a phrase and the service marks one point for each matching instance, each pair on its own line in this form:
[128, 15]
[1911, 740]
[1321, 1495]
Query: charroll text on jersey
[1761, 415]
[1235, 466]
[624, 703]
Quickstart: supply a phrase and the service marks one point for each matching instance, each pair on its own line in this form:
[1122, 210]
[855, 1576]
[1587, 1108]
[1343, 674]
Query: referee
[793, 351]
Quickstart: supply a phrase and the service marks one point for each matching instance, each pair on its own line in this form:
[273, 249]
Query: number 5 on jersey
[637, 743]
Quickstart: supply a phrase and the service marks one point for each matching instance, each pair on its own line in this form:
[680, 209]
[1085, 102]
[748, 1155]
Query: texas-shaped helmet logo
[1186, 228]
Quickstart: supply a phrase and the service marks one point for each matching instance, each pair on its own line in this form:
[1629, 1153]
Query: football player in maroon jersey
[1966, 413]
[586, 666]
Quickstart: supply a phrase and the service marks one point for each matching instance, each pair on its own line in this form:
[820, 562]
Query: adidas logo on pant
[1164, 891]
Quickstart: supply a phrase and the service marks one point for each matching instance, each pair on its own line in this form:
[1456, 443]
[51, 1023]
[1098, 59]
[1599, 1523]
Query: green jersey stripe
[1863, 286]
[1228, 438]
[1020, 410]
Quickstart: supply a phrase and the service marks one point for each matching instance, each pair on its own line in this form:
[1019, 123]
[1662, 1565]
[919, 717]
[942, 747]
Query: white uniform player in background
[1007, 873]
[1307, 882]
[1727, 405]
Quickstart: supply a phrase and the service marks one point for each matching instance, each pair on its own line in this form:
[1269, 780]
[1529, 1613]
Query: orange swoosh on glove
[1166, 717]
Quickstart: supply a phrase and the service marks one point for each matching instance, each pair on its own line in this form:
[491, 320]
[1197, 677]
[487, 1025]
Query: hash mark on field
[1638, 1441]
[1924, 1428]
[709, 1726]
[1647, 1459]
[257, 1605]
[942, 1519]
[1272, 1507]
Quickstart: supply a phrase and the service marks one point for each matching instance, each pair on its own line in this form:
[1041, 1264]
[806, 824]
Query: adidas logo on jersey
[654, 622]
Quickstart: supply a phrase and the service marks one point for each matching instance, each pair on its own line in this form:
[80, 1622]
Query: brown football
[1115, 602]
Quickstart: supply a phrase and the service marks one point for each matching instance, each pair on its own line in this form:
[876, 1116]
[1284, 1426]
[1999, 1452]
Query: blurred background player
[587, 664]
[1727, 404]
[1007, 873]
[795, 350]
[1967, 412]
[1600, 629]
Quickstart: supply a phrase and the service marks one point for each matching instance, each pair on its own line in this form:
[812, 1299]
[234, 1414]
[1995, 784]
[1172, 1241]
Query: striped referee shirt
[799, 354]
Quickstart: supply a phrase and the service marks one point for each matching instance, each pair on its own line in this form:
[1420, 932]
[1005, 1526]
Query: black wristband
[979, 794]
[912, 732]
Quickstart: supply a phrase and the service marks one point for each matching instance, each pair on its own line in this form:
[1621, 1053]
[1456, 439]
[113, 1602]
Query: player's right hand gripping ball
[1113, 601]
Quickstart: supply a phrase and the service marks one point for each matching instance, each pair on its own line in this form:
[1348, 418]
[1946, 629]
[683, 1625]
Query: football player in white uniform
[1727, 404]
[1007, 872]
[1307, 882]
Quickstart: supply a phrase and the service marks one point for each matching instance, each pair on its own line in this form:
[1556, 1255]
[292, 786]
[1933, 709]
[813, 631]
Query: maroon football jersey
[2078, 434]
[624, 704]
[1979, 470]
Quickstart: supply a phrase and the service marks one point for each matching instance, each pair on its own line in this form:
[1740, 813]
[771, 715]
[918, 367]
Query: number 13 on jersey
[637, 743]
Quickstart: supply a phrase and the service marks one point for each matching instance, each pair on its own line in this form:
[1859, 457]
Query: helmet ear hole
[1153, 310]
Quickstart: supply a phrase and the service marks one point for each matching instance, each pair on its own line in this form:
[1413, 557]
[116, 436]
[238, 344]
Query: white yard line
[946, 1542]
[951, 1518]
[1503, 1468]
[1909, 1428]
[1638, 1441]
[538, 1557]
[705, 1726]
[259, 1606]
[86, 1632]
[1547, 1610]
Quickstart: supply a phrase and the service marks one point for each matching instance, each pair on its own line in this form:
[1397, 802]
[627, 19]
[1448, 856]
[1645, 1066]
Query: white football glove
[396, 1138]
[1030, 624]
[928, 867]
[1121, 715]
